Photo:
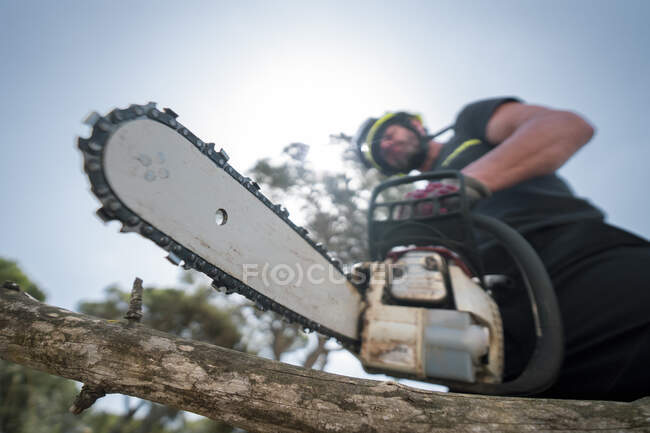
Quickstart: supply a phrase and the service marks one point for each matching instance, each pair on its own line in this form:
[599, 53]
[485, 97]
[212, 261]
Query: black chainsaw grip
[544, 365]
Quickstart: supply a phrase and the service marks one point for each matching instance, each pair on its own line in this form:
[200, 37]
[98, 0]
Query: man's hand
[475, 190]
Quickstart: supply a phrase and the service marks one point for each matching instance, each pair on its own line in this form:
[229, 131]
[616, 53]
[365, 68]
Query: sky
[253, 76]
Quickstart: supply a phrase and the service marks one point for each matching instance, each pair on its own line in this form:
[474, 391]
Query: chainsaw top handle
[454, 229]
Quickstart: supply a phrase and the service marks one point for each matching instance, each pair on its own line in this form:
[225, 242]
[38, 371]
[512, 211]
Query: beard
[408, 156]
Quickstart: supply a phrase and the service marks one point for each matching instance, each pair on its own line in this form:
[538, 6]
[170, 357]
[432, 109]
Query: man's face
[398, 145]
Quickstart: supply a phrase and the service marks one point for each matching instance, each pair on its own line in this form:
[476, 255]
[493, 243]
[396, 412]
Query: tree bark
[267, 396]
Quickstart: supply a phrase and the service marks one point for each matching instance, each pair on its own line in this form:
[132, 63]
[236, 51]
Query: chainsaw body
[428, 312]
[433, 340]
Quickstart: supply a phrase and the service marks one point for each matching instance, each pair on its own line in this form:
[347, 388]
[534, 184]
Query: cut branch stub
[86, 398]
[135, 305]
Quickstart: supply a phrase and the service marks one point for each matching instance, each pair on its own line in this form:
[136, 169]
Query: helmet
[369, 135]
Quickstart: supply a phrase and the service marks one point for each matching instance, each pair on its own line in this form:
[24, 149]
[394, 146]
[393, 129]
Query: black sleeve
[473, 118]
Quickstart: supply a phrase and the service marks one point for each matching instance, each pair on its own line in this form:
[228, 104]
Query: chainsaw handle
[544, 365]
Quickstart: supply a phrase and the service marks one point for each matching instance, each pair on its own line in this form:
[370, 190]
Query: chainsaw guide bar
[107, 129]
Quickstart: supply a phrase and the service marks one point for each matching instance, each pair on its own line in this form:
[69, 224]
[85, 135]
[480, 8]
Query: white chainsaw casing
[465, 344]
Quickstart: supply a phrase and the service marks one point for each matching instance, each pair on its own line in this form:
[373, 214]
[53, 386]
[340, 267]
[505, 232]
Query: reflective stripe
[460, 149]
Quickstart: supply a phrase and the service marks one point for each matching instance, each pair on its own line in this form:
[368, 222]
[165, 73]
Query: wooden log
[260, 395]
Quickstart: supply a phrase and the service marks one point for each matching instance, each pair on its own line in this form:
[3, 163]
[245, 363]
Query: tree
[9, 271]
[266, 396]
[200, 313]
[32, 401]
[333, 204]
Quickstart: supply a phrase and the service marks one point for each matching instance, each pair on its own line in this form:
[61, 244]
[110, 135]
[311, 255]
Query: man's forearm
[539, 146]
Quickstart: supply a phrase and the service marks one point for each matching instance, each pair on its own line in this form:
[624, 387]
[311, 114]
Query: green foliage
[35, 402]
[9, 271]
[32, 401]
[268, 334]
[188, 314]
[332, 203]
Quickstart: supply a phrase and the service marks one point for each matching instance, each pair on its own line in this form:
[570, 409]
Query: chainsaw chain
[114, 209]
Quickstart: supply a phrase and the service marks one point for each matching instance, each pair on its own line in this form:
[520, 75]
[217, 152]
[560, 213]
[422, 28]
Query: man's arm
[531, 141]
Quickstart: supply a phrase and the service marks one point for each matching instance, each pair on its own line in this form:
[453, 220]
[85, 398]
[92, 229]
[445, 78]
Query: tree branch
[267, 396]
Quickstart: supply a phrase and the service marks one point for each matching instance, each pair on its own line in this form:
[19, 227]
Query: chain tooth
[173, 259]
[82, 144]
[104, 124]
[133, 220]
[127, 229]
[190, 261]
[113, 205]
[146, 230]
[222, 160]
[212, 271]
[153, 113]
[92, 164]
[170, 112]
[104, 215]
[96, 146]
[92, 119]
[101, 191]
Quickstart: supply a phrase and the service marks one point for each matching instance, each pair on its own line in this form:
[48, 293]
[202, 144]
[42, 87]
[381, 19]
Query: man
[508, 152]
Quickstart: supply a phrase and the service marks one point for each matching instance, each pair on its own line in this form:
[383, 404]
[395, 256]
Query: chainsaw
[420, 308]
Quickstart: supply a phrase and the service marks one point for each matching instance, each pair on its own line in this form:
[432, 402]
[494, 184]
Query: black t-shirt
[538, 202]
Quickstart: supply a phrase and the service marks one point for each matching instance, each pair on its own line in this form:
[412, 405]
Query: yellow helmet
[369, 135]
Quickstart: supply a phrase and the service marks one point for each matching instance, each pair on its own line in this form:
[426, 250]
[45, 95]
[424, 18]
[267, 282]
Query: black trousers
[601, 276]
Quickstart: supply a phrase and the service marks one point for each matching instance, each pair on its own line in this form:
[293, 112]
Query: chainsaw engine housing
[460, 340]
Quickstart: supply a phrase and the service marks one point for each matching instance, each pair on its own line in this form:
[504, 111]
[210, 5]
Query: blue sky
[253, 76]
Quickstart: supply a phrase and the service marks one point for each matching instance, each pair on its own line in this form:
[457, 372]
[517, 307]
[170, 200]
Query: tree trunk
[267, 396]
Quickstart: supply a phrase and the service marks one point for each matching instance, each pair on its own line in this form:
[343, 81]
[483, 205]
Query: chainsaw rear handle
[544, 365]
